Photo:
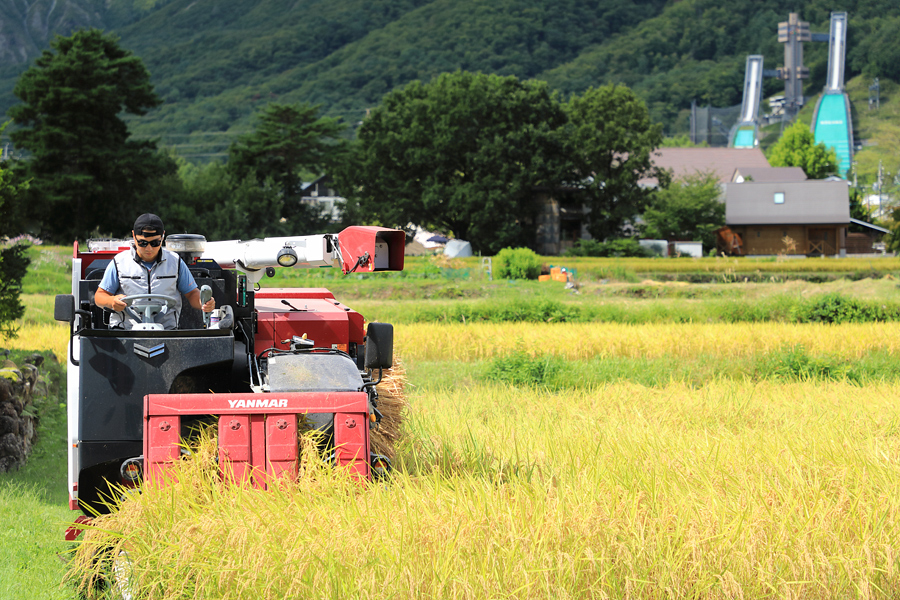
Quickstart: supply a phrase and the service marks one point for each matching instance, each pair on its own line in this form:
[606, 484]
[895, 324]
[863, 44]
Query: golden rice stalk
[392, 406]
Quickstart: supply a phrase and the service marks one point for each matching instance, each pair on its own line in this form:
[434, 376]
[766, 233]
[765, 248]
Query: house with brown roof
[562, 216]
[808, 217]
[721, 162]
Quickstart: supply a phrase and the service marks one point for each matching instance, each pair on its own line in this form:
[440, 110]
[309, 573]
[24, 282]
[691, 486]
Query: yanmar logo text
[259, 403]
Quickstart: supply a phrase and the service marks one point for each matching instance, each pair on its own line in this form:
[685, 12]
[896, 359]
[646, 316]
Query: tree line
[465, 153]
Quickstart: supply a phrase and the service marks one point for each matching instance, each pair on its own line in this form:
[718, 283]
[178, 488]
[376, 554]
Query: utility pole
[880, 184]
[875, 94]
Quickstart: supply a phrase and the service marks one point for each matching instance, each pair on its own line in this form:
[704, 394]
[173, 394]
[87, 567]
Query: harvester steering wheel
[153, 306]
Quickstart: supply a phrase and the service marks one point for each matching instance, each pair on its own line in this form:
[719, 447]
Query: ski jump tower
[792, 33]
[744, 134]
[832, 122]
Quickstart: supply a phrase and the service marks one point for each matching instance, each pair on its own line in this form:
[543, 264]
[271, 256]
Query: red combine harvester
[262, 360]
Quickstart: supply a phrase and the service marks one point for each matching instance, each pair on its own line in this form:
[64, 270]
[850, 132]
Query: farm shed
[814, 214]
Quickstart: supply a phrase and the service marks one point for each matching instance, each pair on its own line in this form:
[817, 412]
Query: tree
[797, 148]
[462, 153]
[85, 171]
[13, 261]
[689, 209]
[610, 139]
[209, 200]
[289, 140]
[859, 212]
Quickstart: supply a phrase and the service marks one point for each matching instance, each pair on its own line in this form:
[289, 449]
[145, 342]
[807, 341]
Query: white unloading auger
[362, 249]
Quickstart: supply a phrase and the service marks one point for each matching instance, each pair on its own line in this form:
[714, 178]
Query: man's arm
[193, 298]
[110, 281]
[104, 299]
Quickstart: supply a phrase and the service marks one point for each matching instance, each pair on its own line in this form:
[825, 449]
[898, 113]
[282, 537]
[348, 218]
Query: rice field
[34, 336]
[713, 487]
[622, 491]
[580, 341]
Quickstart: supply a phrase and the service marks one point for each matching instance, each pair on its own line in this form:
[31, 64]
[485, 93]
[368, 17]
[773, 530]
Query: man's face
[147, 253]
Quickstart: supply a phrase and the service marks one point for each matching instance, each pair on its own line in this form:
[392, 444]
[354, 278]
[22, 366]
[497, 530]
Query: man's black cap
[148, 224]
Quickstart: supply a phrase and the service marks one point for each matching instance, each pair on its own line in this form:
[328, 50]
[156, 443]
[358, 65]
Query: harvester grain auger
[267, 358]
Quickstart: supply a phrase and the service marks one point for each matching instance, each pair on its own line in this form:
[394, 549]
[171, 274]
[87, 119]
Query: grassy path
[34, 513]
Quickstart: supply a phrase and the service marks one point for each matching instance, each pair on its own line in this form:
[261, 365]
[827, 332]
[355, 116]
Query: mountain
[215, 63]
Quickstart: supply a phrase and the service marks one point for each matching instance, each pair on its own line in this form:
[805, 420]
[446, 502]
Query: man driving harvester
[148, 269]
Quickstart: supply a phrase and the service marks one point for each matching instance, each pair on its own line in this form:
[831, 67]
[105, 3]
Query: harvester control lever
[286, 303]
[299, 343]
[205, 295]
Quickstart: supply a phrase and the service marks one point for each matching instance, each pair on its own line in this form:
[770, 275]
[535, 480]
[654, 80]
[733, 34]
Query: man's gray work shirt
[141, 277]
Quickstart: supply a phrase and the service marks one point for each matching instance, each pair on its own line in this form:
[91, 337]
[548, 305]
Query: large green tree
[85, 170]
[289, 141]
[689, 209]
[610, 139]
[797, 148]
[13, 260]
[462, 153]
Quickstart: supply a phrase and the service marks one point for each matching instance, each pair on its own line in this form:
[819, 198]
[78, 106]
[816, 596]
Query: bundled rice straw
[391, 405]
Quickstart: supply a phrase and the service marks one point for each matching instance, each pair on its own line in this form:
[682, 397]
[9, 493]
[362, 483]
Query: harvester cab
[268, 362]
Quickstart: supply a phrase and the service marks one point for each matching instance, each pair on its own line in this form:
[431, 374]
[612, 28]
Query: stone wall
[19, 387]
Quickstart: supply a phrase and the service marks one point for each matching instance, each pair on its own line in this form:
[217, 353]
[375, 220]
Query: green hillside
[215, 63]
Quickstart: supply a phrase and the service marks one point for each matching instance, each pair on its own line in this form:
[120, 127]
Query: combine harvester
[745, 134]
[267, 362]
[832, 123]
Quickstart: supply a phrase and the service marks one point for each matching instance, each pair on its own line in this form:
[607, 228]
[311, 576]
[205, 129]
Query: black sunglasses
[153, 243]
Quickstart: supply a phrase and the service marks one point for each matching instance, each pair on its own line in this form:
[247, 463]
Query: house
[721, 162]
[808, 217]
[562, 217]
[319, 193]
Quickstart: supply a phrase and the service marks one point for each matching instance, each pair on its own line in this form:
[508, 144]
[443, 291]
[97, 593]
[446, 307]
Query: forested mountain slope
[215, 63]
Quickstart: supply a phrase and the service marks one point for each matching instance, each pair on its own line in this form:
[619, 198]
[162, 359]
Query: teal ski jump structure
[745, 133]
[832, 121]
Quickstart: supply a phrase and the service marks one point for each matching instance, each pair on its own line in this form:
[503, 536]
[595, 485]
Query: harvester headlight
[132, 470]
[287, 257]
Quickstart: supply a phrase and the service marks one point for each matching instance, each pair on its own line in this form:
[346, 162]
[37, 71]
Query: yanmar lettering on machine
[259, 403]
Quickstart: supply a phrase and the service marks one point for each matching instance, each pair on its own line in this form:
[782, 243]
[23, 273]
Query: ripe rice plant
[581, 341]
[53, 337]
[725, 491]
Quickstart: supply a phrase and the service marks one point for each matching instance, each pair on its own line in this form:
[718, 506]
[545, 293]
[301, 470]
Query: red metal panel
[75, 529]
[265, 337]
[257, 432]
[282, 452]
[325, 321]
[234, 447]
[298, 293]
[351, 442]
[356, 241]
[161, 443]
[258, 449]
[241, 404]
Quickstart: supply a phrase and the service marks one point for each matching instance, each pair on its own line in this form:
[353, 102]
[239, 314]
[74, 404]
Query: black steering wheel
[153, 306]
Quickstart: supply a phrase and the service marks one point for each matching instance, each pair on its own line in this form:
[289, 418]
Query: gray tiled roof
[764, 174]
[722, 162]
[811, 202]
